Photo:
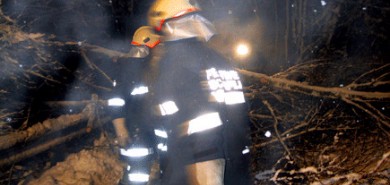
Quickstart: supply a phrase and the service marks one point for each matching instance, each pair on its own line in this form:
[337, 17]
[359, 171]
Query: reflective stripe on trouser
[207, 172]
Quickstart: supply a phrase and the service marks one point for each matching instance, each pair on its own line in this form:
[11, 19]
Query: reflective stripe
[116, 102]
[234, 97]
[246, 150]
[162, 147]
[168, 108]
[225, 86]
[135, 152]
[138, 177]
[218, 96]
[204, 122]
[140, 90]
[161, 133]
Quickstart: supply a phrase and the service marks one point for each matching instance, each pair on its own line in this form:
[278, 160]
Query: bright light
[267, 134]
[245, 151]
[162, 147]
[204, 122]
[160, 133]
[225, 86]
[117, 102]
[235, 97]
[135, 152]
[138, 177]
[242, 50]
[140, 90]
[168, 108]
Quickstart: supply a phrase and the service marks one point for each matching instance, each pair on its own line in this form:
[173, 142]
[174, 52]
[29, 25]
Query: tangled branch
[347, 93]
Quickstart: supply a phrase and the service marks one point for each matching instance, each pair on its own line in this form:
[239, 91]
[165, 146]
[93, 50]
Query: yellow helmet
[161, 10]
[144, 36]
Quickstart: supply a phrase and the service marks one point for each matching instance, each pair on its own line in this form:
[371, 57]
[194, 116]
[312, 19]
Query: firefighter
[136, 138]
[200, 100]
[130, 80]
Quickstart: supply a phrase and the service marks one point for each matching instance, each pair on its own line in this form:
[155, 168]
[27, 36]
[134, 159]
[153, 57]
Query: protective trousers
[207, 172]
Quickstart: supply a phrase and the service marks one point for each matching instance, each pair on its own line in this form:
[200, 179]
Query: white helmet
[144, 36]
[161, 10]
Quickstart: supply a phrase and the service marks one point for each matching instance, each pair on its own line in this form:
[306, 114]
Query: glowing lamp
[242, 50]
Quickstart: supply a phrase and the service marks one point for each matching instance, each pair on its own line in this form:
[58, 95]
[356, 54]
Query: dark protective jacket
[180, 80]
[128, 74]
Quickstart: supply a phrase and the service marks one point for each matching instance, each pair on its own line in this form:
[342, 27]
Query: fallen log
[40, 148]
[45, 146]
[52, 125]
[40, 129]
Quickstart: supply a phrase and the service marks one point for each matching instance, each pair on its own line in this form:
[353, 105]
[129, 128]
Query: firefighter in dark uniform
[200, 100]
[129, 84]
[135, 135]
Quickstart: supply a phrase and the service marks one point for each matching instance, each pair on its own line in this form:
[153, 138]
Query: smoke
[33, 71]
[236, 22]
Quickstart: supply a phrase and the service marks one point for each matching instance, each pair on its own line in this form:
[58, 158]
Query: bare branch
[276, 128]
[93, 66]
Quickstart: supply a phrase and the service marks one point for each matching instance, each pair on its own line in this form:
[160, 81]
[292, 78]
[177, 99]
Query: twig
[276, 128]
[380, 162]
[74, 103]
[345, 94]
[298, 134]
[97, 49]
[316, 91]
[367, 73]
[44, 77]
[4, 16]
[95, 86]
[333, 180]
[10, 173]
[93, 66]
[384, 122]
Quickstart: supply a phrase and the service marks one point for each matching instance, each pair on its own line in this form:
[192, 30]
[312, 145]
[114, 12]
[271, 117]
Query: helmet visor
[139, 51]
